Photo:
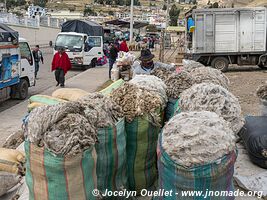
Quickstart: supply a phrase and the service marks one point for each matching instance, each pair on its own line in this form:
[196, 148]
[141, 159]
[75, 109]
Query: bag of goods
[107, 116]
[189, 65]
[69, 94]
[210, 75]
[151, 83]
[12, 161]
[115, 73]
[214, 98]
[196, 152]
[8, 181]
[141, 108]
[162, 73]
[108, 90]
[262, 94]
[33, 105]
[44, 99]
[125, 58]
[255, 139]
[60, 153]
[177, 83]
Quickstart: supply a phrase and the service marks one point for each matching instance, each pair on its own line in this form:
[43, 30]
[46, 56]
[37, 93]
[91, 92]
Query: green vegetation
[174, 15]
[13, 3]
[118, 2]
[89, 12]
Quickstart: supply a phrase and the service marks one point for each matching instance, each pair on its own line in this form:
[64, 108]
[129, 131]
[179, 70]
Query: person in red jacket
[123, 46]
[61, 65]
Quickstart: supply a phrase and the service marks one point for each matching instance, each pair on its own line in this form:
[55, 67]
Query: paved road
[45, 80]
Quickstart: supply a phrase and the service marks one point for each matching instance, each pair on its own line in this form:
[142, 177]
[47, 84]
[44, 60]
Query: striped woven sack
[111, 158]
[108, 90]
[141, 144]
[51, 177]
[213, 177]
[172, 106]
[44, 99]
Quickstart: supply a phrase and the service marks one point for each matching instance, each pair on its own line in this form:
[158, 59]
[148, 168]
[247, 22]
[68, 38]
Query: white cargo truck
[226, 36]
[83, 41]
[16, 65]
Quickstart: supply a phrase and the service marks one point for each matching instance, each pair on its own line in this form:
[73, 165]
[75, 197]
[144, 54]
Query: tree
[110, 12]
[41, 3]
[13, 3]
[215, 5]
[164, 7]
[151, 28]
[89, 12]
[174, 14]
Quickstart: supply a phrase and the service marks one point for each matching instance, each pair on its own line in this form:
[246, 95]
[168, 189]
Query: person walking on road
[61, 65]
[113, 54]
[37, 56]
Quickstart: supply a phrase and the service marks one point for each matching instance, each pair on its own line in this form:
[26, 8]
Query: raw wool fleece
[151, 83]
[189, 65]
[197, 138]
[177, 83]
[162, 73]
[210, 75]
[214, 98]
[137, 101]
[100, 110]
[62, 128]
[262, 92]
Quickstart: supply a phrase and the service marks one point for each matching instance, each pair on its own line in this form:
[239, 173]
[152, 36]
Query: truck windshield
[72, 42]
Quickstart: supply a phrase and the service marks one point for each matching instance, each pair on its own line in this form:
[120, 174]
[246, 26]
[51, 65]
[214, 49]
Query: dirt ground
[244, 83]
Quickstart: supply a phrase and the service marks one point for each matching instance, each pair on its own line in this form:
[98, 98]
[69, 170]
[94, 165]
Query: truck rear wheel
[262, 66]
[20, 91]
[220, 63]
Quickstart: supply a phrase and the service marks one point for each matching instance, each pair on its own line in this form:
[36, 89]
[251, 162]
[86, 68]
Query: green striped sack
[112, 87]
[172, 106]
[44, 99]
[141, 138]
[51, 177]
[111, 158]
[214, 176]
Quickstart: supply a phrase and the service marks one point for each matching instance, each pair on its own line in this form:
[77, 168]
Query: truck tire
[93, 63]
[220, 63]
[20, 91]
[264, 67]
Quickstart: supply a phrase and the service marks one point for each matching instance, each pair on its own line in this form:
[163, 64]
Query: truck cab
[16, 70]
[83, 50]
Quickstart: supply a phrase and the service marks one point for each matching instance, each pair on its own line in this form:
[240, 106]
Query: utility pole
[131, 22]
[5, 7]
[162, 46]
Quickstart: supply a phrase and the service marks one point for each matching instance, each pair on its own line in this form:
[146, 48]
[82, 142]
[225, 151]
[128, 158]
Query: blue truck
[16, 65]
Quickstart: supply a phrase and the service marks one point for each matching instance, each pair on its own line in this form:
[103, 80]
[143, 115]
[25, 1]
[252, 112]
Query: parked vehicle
[83, 41]
[17, 66]
[226, 36]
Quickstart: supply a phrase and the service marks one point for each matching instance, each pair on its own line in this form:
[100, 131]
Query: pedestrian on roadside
[37, 56]
[124, 46]
[61, 65]
[113, 54]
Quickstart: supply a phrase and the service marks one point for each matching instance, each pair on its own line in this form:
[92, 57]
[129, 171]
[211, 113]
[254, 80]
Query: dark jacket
[37, 56]
[113, 53]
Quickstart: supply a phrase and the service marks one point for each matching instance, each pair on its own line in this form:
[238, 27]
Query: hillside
[237, 3]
